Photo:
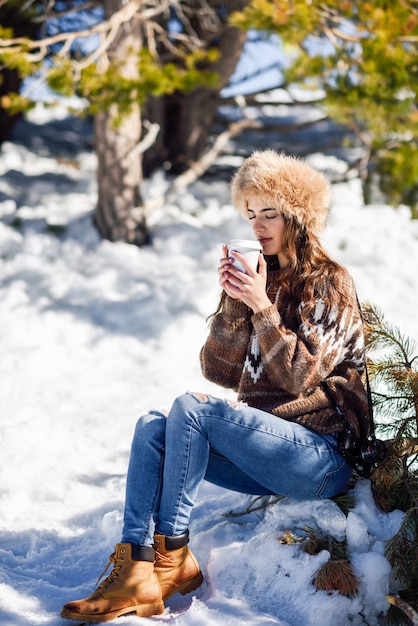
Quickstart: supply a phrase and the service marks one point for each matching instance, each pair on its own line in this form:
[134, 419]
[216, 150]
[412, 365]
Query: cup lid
[246, 243]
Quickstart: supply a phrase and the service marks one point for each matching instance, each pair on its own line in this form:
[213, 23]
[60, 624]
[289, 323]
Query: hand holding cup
[250, 249]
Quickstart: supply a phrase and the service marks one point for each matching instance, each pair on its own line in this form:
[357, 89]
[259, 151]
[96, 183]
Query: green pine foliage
[292, 20]
[345, 502]
[402, 551]
[316, 542]
[398, 173]
[109, 88]
[362, 54]
[61, 77]
[68, 74]
[365, 58]
[104, 89]
[18, 62]
[15, 103]
[393, 372]
[394, 377]
[337, 574]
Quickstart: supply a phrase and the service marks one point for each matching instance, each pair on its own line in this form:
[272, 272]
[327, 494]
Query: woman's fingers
[237, 284]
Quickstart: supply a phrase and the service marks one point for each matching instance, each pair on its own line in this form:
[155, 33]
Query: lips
[265, 241]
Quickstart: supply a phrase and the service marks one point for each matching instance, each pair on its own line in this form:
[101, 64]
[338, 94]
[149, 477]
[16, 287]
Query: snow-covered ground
[93, 334]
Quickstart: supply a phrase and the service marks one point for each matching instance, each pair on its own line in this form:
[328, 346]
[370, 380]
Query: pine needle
[402, 551]
[345, 502]
[337, 576]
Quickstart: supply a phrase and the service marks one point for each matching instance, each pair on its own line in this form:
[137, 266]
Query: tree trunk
[185, 122]
[186, 119]
[119, 213]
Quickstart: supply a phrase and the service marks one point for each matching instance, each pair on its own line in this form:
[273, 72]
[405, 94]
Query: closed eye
[269, 214]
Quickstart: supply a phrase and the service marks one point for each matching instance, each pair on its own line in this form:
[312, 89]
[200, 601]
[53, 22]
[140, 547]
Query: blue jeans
[229, 444]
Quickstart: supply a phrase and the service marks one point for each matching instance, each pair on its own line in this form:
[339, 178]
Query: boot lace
[118, 564]
[162, 558]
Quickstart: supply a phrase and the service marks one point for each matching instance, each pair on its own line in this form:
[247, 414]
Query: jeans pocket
[334, 481]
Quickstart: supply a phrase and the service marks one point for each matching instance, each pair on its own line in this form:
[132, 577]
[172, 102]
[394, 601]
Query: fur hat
[285, 183]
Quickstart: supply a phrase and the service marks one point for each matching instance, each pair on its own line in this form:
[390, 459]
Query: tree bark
[185, 122]
[186, 119]
[119, 213]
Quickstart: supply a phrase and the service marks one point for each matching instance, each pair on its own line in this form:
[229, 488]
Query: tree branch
[110, 26]
[36, 50]
[199, 167]
[253, 507]
[57, 14]
[404, 607]
[146, 142]
[120, 17]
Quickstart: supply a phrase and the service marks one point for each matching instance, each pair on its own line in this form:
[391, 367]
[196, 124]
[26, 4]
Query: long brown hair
[310, 273]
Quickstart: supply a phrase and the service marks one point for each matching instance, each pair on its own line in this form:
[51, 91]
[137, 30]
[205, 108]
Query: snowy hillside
[94, 334]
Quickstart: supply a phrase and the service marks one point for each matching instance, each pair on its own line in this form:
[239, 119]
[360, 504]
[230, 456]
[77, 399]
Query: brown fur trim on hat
[285, 183]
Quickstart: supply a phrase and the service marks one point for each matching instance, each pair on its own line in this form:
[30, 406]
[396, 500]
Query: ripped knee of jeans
[204, 398]
[162, 413]
[236, 404]
[201, 397]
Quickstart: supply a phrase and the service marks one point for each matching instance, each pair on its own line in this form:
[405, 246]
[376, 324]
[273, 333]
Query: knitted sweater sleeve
[223, 354]
[297, 361]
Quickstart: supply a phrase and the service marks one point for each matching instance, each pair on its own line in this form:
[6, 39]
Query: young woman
[278, 334]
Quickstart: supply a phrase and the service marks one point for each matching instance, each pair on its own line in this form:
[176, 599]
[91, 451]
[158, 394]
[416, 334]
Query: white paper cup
[249, 248]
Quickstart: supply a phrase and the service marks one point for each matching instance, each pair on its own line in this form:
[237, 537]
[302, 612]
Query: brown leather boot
[131, 587]
[175, 565]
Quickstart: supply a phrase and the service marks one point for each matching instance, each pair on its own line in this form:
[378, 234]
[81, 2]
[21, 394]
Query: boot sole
[186, 587]
[141, 610]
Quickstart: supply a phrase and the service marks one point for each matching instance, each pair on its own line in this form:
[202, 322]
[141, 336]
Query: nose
[257, 224]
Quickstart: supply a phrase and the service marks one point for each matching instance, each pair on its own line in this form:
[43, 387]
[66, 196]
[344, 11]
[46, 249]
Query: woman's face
[268, 226]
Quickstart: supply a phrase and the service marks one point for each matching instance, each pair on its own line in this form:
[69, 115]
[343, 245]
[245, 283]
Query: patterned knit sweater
[277, 363]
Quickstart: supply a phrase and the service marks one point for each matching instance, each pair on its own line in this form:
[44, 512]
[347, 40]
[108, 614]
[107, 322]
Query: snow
[94, 334]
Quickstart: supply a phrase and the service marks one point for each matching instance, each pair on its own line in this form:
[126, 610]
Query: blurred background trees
[151, 73]
[364, 56]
